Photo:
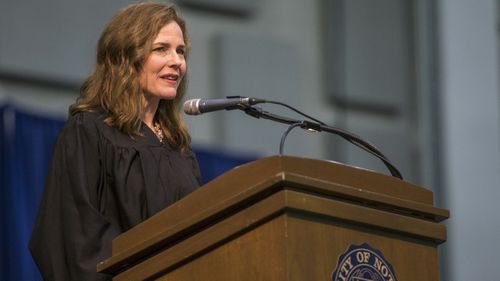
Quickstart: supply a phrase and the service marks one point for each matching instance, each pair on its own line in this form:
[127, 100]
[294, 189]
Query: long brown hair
[124, 46]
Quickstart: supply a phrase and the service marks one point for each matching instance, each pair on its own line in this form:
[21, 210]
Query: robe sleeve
[195, 166]
[70, 235]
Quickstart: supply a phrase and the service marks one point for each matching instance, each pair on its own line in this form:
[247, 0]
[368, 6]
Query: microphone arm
[313, 126]
[366, 146]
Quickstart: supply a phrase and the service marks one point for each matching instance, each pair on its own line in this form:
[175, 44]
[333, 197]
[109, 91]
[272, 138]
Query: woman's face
[166, 65]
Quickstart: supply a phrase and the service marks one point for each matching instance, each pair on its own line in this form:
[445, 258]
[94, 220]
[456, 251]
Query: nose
[175, 60]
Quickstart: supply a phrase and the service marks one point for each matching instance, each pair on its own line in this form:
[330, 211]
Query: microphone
[199, 106]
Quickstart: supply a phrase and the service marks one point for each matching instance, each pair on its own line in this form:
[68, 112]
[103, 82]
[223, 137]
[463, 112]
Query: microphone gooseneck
[200, 106]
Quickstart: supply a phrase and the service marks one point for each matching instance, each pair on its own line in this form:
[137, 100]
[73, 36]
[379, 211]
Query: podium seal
[363, 263]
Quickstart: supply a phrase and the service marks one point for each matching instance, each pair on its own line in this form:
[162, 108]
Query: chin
[167, 94]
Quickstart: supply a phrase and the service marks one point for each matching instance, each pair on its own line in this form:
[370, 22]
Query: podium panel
[287, 218]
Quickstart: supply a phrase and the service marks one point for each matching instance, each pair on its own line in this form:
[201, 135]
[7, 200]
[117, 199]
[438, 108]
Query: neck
[150, 107]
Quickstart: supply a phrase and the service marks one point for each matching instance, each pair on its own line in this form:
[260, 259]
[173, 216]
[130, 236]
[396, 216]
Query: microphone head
[191, 107]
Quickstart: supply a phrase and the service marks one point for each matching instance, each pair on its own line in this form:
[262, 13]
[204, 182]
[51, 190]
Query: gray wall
[372, 77]
[471, 137]
[418, 78]
[267, 53]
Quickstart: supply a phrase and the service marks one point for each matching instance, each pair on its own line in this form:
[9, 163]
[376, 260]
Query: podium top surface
[266, 176]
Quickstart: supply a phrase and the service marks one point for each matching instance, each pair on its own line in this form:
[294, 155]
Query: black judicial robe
[102, 182]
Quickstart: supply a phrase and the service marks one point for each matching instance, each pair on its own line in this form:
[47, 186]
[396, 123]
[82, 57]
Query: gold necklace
[158, 132]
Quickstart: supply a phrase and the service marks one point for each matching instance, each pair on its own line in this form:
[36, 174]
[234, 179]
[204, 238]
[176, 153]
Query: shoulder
[92, 123]
[85, 124]
[88, 117]
[93, 120]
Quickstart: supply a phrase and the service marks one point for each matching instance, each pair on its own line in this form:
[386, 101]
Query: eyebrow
[168, 44]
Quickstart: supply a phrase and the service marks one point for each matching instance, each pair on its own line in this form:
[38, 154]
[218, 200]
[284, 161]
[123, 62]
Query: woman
[124, 153]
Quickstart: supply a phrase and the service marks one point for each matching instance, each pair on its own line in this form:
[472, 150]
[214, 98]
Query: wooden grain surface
[293, 233]
[261, 197]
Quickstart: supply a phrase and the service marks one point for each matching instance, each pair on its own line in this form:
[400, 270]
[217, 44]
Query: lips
[170, 77]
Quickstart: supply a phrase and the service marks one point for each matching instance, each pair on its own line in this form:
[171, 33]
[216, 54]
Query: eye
[159, 49]
[181, 51]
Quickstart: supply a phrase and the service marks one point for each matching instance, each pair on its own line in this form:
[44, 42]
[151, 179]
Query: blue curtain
[26, 146]
[26, 141]
[214, 163]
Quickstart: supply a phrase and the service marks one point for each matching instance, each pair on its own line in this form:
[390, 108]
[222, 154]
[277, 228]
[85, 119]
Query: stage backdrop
[26, 141]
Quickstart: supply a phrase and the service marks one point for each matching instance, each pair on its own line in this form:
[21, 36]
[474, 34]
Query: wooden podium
[284, 218]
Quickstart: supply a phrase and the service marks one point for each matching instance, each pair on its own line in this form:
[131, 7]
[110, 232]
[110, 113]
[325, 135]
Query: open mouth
[171, 77]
